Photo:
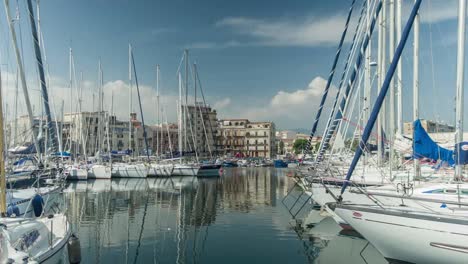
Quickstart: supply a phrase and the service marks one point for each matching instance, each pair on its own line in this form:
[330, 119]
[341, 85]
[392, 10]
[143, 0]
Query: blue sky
[263, 60]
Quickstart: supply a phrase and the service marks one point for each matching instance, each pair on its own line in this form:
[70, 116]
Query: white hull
[411, 237]
[320, 196]
[76, 174]
[129, 171]
[98, 171]
[185, 170]
[161, 170]
[22, 199]
[48, 235]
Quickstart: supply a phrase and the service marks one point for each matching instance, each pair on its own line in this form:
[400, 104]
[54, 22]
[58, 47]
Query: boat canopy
[425, 147]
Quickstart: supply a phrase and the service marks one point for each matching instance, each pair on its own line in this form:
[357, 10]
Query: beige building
[201, 128]
[430, 127]
[245, 138]
[287, 139]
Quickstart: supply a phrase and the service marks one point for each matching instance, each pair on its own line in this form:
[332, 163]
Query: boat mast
[130, 125]
[141, 109]
[381, 72]
[417, 167]
[186, 98]
[70, 85]
[330, 77]
[180, 118]
[157, 111]
[195, 142]
[2, 157]
[367, 73]
[460, 81]
[40, 67]
[80, 100]
[391, 32]
[100, 116]
[380, 97]
[22, 76]
[399, 88]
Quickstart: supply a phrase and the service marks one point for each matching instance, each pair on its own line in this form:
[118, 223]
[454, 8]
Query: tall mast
[99, 134]
[367, 78]
[45, 97]
[186, 98]
[399, 70]
[381, 61]
[460, 79]
[157, 111]
[380, 97]
[130, 126]
[15, 138]
[417, 168]
[3, 201]
[195, 141]
[80, 99]
[70, 86]
[181, 150]
[391, 46]
[22, 75]
[141, 109]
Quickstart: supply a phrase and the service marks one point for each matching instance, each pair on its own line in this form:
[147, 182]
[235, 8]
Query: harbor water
[237, 218]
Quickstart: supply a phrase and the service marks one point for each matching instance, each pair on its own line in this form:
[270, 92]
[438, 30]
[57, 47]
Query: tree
[299, 145]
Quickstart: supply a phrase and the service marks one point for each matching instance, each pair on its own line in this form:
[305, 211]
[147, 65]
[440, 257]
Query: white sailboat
[101, 170]
[421, 235]
[183, 168]
[25, 239]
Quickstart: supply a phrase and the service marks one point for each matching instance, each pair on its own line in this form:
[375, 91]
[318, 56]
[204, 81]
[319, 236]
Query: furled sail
[425, 147]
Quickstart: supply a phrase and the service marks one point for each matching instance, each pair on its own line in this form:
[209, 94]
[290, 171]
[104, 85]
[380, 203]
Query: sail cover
[425, 147]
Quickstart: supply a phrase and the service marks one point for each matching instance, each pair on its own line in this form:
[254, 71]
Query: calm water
[238, 218]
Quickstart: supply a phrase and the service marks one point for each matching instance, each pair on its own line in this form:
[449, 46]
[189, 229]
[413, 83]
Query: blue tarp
[62, 154]
[425, 147]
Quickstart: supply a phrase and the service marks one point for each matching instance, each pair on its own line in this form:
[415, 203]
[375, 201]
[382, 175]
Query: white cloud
[215, 45]
[222, 104]
[308, 31]
[299, 97]
[295, 109]
[59, 91]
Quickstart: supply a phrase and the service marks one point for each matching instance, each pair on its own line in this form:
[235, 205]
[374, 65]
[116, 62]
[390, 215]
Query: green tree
[299, 145]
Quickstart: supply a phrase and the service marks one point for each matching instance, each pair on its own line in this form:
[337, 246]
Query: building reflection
[123, 213]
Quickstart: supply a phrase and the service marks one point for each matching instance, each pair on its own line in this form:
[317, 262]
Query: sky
[261, 60]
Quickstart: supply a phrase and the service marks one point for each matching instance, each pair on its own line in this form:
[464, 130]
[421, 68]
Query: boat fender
[38, 205]
[74, 250]
[13, 210]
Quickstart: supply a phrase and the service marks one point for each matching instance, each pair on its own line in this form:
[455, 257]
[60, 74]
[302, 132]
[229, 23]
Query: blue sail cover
[425, 147]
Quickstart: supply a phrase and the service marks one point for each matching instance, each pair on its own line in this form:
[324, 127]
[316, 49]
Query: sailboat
[28, 239]
[412, 234]
[99, 170]
[160, 168]
[132, 170]
[75, 170]
[183, 168]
